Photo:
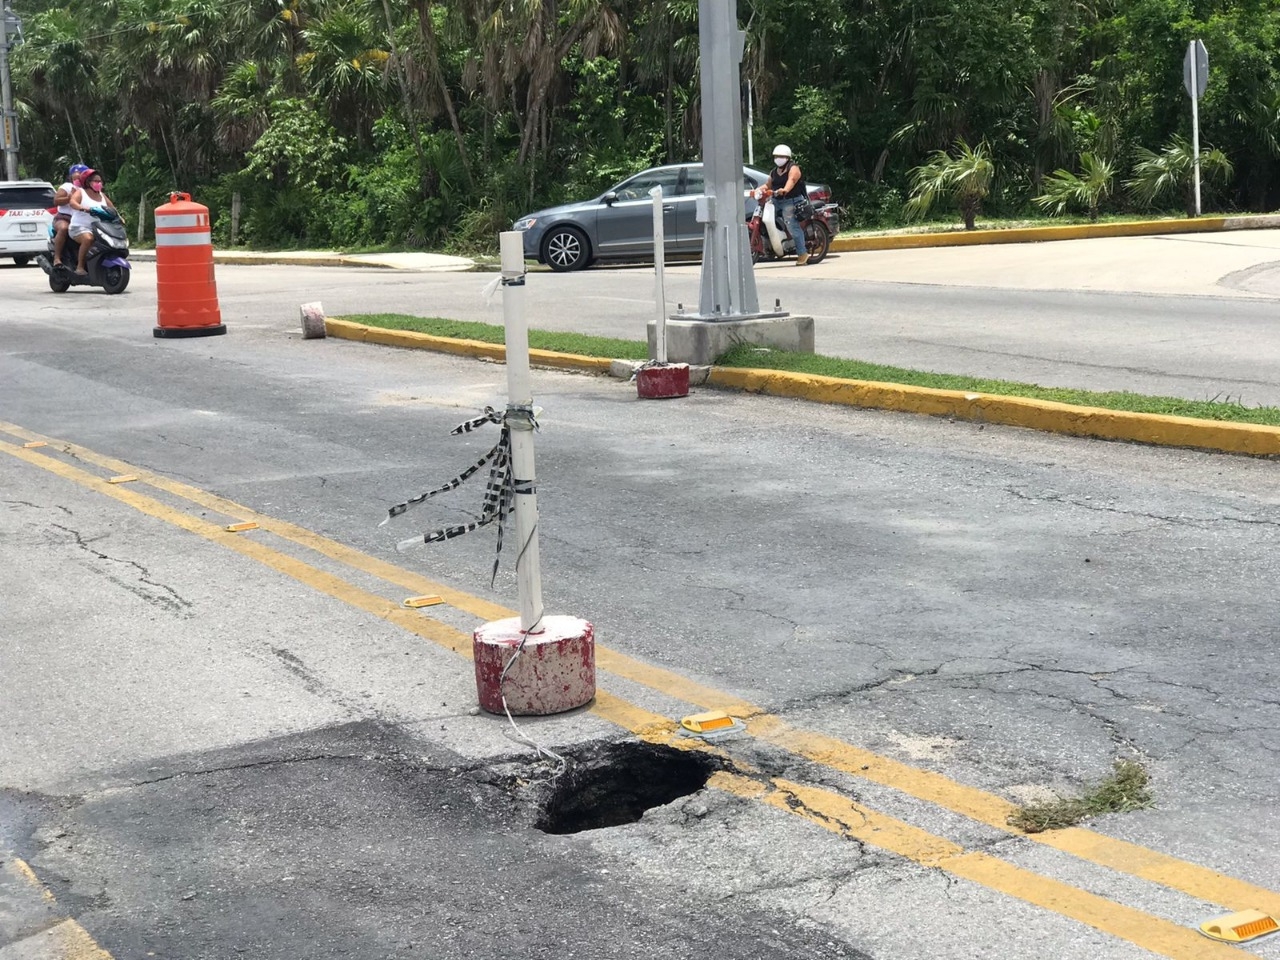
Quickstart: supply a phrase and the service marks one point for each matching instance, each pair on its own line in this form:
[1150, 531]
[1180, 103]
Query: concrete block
[699, 342]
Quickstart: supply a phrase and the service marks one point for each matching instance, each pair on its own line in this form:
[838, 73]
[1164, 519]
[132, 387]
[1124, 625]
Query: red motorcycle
[771, 240]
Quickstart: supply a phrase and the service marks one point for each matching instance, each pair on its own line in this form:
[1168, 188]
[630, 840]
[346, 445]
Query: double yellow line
[824, 807]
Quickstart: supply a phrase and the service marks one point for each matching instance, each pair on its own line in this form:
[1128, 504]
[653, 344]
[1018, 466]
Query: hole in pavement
[616, 783]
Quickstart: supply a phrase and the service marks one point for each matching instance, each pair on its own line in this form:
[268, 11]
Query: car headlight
[524, 224]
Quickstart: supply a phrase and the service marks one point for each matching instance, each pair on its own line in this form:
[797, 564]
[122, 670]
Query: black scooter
[107, 261]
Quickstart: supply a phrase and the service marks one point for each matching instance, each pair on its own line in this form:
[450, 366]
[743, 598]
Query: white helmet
[782, 150]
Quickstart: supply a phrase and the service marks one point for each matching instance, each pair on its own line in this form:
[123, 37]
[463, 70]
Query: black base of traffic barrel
[210, 331]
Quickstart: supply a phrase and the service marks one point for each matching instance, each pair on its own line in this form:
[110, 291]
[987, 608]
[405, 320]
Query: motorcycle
[771, 240]
[106, 263]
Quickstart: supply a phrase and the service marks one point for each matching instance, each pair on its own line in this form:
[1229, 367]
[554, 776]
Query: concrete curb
[1045, 415]
[1083, 231]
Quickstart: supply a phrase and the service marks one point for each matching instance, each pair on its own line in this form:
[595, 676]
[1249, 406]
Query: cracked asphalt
[217, 745]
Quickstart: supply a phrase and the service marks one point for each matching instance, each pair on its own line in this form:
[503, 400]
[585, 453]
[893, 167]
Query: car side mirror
[610, 197]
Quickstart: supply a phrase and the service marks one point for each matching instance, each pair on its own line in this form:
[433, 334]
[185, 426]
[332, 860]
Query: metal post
[1195, 118]
[728, 282]
[659, 256]
[8, 117]
[751, 123]
[520, 420]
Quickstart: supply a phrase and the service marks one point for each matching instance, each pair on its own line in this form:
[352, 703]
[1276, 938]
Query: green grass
[489, 333]
[1124, 790]
[762, 358]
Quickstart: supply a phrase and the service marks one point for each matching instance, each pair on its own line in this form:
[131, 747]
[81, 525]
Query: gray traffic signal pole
[8, 116]
[728, 282]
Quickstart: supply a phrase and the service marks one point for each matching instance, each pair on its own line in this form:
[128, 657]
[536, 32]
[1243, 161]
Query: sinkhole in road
[614, 784]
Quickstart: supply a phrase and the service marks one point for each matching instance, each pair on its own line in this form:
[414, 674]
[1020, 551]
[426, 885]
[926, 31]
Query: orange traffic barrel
[186, 293]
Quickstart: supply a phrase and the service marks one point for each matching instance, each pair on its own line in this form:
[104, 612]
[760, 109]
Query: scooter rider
[787, 184]
[83, 202]
[62, 219]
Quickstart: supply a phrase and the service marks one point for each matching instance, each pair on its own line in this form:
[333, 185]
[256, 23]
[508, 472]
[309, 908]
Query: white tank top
[66, 207]
[82, 218]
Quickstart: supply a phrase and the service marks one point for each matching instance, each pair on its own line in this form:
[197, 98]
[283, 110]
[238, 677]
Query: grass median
[760, 358]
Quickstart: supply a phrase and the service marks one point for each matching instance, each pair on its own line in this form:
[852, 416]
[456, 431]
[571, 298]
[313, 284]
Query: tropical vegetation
[419, 122]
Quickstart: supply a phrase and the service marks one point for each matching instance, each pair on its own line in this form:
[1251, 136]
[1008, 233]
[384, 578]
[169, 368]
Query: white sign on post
[1195, 77]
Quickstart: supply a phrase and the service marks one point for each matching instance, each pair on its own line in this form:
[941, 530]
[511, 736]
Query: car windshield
[25, 197]
[637, 188]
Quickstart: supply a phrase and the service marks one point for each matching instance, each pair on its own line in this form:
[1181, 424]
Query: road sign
[1201, 69]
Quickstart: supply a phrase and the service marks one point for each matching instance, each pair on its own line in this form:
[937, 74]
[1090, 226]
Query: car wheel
[21, 260]
[817, 240]
[566, 248]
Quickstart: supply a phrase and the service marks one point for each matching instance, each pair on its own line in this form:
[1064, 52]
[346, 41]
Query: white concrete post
[520, 402]
[659, 257]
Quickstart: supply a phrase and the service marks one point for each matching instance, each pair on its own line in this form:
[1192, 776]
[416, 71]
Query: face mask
[780, 161]
[96, 185]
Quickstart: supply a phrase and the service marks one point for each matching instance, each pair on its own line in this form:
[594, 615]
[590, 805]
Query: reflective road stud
[1239, 927]
[186, 293]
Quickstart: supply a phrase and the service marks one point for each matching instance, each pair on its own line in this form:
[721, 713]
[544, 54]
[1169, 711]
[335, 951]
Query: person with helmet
[86, 203]
[62, 219]
[786, 183]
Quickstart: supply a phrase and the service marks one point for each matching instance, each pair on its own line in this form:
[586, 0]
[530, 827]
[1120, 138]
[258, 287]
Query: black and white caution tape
[502, 486]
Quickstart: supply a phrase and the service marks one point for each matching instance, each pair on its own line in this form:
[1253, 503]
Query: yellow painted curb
[346, 330]
[1083, 231]
[1156, 429]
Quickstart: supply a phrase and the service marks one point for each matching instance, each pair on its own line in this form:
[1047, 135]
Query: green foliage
[1157, 176]
[1064, 189]
[440, 122]
[964, 179]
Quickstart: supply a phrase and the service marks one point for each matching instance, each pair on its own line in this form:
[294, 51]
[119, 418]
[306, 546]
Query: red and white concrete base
[555, 672]
[663, 381]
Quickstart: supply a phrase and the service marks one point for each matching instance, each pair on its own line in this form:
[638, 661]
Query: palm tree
[345, 66]
[1063, 188]
[964, 179]
[1172, 170]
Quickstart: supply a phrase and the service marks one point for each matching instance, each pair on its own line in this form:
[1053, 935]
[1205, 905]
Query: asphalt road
[225, 745]
[1191, 316]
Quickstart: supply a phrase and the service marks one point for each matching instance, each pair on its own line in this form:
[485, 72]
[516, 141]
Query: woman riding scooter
[83, 201]
[63, 218]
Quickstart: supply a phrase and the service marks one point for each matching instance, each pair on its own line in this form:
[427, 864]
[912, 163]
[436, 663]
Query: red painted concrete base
[555, 672]
[658, 383]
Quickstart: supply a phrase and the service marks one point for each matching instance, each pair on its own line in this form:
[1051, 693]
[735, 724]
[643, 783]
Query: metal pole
[520, 420]
[7, 115]
[1195, 118]
[728, 285]
[659, 256]
[751, 122]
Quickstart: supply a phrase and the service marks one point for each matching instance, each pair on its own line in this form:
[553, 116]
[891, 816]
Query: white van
[26, 213]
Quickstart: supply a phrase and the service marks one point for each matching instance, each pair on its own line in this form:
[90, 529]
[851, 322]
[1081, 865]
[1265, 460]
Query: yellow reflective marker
[415, 602]
[707, 722]
[1240, 927]
[123, 478]
[240, 527]
[33, 444]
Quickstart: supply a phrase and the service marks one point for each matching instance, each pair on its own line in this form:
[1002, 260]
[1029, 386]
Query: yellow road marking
[849, 819]
[66, 940]
[24, 871]
[979, 805]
